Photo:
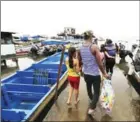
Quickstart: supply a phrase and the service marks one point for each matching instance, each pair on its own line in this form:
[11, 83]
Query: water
[24, 63]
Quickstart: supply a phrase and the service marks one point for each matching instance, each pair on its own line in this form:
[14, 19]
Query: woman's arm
[108, 55]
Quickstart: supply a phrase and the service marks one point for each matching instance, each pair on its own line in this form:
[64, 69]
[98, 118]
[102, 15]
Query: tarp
[54, 42]
[24, 38]
[36, 37]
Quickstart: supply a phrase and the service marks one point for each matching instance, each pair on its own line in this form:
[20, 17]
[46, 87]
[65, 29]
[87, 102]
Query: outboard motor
[46, 51]
[124, 53]
[137, 61]
[34, 52]
[134, 46]
[121, 46]
[59, 48]
[51, 51]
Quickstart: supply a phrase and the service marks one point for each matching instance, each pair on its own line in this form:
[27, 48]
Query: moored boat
[134, 70]
[25, 92]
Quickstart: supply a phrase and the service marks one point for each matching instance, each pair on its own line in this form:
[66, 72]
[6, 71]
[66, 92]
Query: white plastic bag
[107, 96]
[117, 59]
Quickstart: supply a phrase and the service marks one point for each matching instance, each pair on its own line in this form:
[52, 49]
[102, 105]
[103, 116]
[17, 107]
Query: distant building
[6, 37]
[70, 30]
[8, 50]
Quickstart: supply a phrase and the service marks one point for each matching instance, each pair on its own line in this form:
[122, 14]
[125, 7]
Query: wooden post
[5, 64]
[59, 72]
[16, 60]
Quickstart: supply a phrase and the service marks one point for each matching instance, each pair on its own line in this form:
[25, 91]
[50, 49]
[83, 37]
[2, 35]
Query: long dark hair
[102, 48]
[71, 52]
[108, 41]
[79, 58]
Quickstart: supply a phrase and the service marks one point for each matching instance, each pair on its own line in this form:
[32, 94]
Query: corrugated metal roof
[7, 32]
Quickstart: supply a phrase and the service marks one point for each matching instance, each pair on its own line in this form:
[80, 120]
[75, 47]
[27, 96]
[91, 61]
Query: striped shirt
[90, 66]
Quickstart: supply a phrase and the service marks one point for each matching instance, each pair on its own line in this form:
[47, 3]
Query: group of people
[93, 63]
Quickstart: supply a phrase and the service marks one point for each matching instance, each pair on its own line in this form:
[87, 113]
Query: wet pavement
[126, 107]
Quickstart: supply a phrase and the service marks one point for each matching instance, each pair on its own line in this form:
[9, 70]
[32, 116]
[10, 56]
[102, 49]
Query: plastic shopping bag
[107, 96]
[117, 59]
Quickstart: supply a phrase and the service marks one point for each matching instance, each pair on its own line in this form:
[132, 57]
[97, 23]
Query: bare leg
[70, 95]
[76, 91]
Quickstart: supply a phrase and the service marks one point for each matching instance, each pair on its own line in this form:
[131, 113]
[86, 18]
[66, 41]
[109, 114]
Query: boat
[54, 42]
[134, 69]
[25, 93]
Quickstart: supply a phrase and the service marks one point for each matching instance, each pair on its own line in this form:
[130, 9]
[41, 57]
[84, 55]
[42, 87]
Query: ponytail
[71, 52]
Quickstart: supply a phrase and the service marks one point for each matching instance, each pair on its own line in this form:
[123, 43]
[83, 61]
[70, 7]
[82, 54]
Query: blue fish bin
[24, 91]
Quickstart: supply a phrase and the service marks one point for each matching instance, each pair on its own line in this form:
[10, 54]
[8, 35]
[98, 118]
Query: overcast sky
[113, 19]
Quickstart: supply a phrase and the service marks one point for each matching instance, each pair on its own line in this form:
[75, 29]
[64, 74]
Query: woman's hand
[109, 55]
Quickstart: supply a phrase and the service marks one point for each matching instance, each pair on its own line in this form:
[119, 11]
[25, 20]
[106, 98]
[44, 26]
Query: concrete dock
[126, 107]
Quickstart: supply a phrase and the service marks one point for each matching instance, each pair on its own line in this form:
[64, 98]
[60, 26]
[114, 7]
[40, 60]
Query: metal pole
[59, 72]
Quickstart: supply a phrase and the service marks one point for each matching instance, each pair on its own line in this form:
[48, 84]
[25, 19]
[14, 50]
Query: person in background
[102, 53]
[117, 48]
[60, 47]
[34, 46]
[95, 41]
[92, 62]
[74, 69]
[121, 46]
[51, 49]
[110, 53]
